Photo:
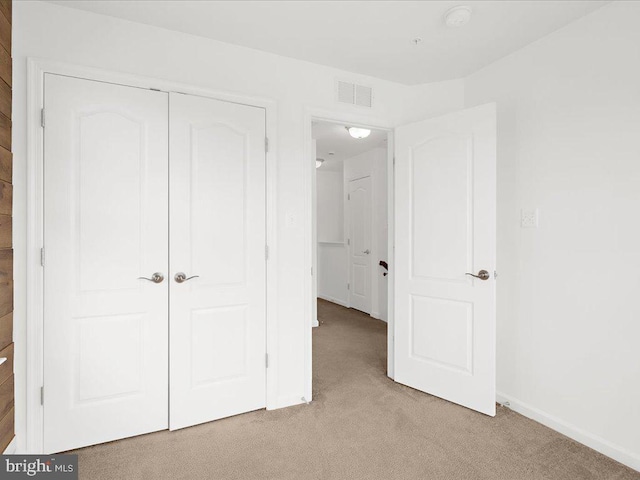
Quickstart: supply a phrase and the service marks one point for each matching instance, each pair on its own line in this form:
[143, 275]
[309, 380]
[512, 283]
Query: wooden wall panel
[6, 298]
[5, 132]
[6, 165]
[5, 231]
[6, 198]
[5, 33]
[6, 330]
[5, 66]
[6, 369]
[6, 396]
[6, 265]
[6, 429]
[5, 9]
[7, 422]
[5, 99]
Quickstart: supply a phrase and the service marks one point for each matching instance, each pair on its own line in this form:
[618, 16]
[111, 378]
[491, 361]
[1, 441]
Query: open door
[445, 256]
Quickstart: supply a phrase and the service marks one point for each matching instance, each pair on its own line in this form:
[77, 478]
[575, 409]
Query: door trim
[34, 368]
[310, 238]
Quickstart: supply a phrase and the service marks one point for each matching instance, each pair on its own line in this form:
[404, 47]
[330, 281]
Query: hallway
[361, 425]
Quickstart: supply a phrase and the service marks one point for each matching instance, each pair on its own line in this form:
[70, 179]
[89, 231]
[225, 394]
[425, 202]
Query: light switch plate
[529, 218]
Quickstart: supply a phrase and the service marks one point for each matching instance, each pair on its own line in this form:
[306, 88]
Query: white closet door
[105, 330]
[217, 238]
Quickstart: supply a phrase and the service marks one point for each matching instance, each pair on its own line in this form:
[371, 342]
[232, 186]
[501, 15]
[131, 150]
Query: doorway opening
[351, 179]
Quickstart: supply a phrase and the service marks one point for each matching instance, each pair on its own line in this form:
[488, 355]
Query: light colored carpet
[361, 425]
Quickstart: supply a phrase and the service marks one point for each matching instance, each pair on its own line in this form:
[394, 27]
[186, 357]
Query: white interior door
[105, 330]
[445, 228]
[217, 238]
[359, 204]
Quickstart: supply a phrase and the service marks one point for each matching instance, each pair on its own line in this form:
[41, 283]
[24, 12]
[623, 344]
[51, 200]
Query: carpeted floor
[361, 425]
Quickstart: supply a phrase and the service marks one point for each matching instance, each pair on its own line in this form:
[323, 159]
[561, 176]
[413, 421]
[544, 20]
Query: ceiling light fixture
[457, 16]
[358, 133]
[319, 162]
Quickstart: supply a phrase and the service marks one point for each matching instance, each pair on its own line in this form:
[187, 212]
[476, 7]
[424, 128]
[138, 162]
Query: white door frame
[36, 69]
[356, 120]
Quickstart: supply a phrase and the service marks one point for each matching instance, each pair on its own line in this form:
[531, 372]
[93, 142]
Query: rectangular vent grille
[353, 94]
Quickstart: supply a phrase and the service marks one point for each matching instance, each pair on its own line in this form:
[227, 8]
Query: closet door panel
[217, 219]
[106, 223]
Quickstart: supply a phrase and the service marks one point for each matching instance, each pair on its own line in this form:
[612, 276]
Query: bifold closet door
[217, 259]
[105, 210]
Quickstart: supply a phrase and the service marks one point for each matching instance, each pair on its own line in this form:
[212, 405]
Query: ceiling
[331, 137]
[368, 37]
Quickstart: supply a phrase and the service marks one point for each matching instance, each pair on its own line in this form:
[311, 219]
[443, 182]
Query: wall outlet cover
[529, 218]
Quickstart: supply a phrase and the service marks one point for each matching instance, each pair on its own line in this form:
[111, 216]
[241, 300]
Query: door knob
[182, 277]
[367, 251]
[482, 275]
[155, 278]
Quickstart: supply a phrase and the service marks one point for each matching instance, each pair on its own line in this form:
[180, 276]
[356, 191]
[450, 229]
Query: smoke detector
[457, 16]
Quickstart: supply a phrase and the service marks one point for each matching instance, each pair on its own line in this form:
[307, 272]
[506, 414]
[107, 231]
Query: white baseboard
[283, 402]
[315, 323]
[11, 448]
[333, 300]
[378, 316]
[599, 444]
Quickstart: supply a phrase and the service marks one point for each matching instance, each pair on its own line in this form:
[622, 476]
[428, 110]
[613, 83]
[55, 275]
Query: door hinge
[42, 117]
[42, 395]
[42, 257]
[312, 271]
[495, 274]
[394, 161]
[348, 241]
[348, 286]
[266, 360]
[266, 144]
[266, 252]
[348, 196]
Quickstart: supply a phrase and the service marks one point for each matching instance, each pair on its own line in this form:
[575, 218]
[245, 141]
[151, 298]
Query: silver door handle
[482, 275]
[367, 252]
[181, 277]
[155, 278]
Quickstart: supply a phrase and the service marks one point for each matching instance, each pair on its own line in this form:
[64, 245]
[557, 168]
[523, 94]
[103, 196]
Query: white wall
[374, 164]
[333, 271]
[569, 145]
[332, 251]
[50, 31]
[329, 188]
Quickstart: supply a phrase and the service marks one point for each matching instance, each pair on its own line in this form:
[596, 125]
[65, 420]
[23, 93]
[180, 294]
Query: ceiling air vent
[353, 94]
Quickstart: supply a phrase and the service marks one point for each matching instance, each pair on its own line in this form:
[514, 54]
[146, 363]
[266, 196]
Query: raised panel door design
[445, 228]
[217, 235]
[434, 319]
[106, 196]
[103, 372]
[441, 201]
[219, 340]
[218, 202]
[110, 174]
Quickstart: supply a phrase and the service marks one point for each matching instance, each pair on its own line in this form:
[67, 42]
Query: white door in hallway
[217, 238]
[445, 230]
[105, 211]
[359, 218]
